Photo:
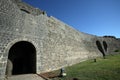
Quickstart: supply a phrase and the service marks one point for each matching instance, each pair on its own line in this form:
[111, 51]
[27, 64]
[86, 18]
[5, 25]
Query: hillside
[102, 69]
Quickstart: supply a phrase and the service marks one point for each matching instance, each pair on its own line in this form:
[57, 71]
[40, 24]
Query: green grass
[103, 69]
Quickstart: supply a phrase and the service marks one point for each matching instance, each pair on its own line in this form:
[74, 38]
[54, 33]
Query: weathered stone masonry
[29, 36]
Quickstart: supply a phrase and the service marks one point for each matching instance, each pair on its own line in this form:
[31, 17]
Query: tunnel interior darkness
[99, 46]
[105, 45]
[23, 57]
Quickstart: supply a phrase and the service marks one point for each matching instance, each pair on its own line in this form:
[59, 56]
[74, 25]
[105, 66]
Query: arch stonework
[12, 43]
[22, 57]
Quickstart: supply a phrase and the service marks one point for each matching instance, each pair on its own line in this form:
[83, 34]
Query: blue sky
[97, 17]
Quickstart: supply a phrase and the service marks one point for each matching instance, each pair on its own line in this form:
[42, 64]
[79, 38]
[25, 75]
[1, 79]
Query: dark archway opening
[23, 58]
[99, 46]
[105, 45]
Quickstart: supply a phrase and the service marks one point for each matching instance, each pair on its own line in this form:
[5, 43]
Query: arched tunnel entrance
[99, 46]
[22, 59]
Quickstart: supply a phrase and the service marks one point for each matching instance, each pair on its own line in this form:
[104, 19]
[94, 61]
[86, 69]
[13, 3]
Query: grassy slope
[103, 69]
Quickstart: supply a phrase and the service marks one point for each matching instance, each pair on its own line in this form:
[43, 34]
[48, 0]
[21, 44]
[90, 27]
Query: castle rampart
[36, 43]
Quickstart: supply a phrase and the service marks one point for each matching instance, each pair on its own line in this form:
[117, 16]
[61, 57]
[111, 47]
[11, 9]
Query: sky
[96, 17]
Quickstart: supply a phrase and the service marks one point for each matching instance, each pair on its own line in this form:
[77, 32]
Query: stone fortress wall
[46, 43]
